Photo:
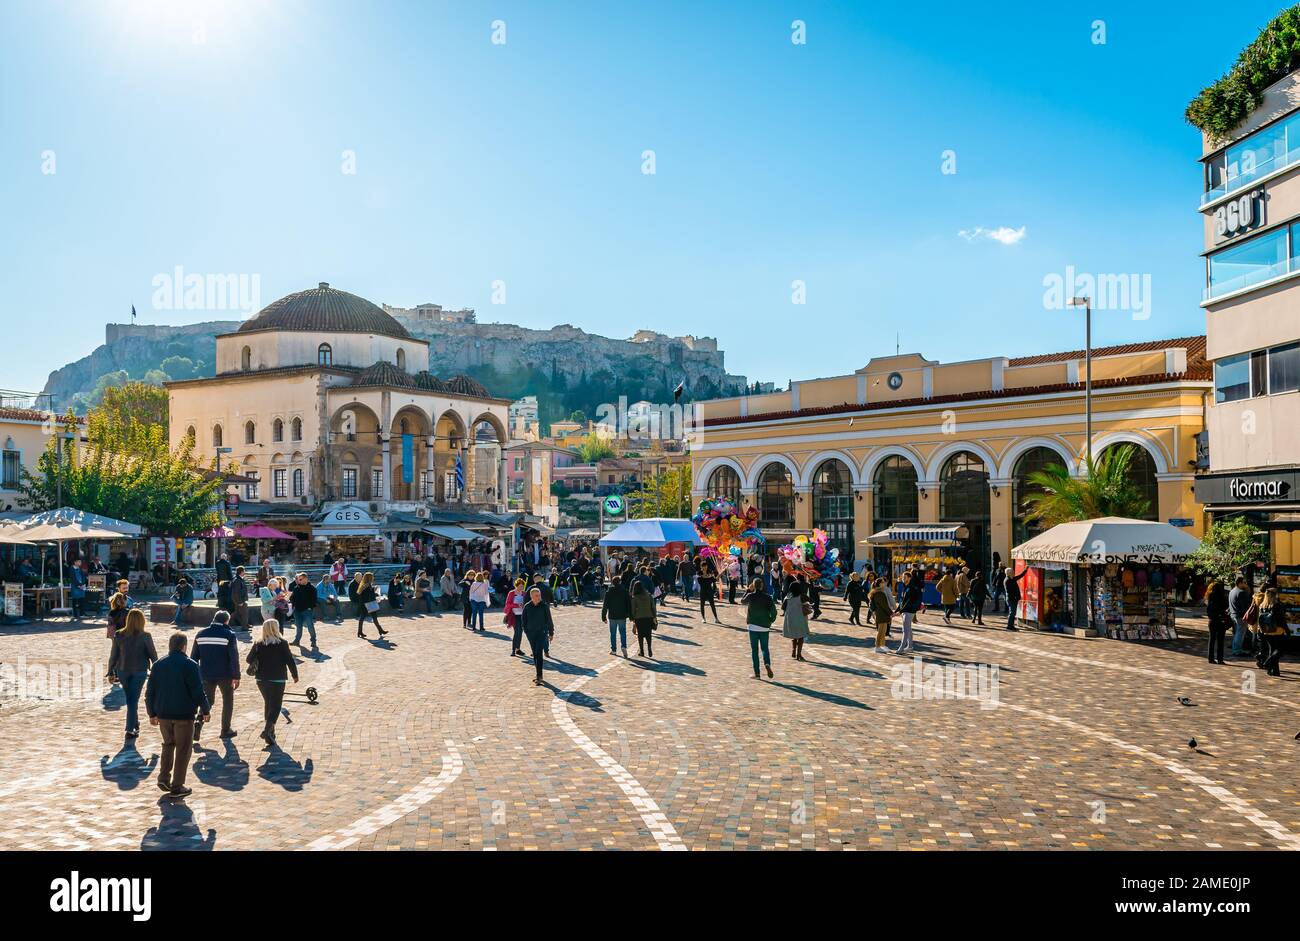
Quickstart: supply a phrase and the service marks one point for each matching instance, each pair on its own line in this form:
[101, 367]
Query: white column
[386, 442]
[502, 484]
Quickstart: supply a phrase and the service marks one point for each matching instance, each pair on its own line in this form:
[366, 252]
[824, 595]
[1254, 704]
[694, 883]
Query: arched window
[325, 355]
[191, 434]
[299, 483]
[401, 360]
[1142, 474]
[832, 497]
[1032, 461]
[246, 359]
[964, 498]
[895, 497]
[216, 436]
[250, 433]
[776, 497]
[295, 429]
[724, 484]
[277, 430]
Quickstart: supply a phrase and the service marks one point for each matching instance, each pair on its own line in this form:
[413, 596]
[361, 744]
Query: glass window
[250, 433]
[349, 483]
[1284, 368]
[11, 470]
[1248, 263]
[216, 436]
[325, 355]
[1257, 155]
[1232, 378]
[1031, 462]
[896, 499]
[278, 480]
[776, 497]
[376, 483]
[296, 429]
[724, 484]
[277, 430]
[1259, 372]
[299, 483]
[832, 493]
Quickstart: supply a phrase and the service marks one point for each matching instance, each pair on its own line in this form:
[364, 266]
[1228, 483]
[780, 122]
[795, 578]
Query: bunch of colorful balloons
[812, 556]
[725, 530]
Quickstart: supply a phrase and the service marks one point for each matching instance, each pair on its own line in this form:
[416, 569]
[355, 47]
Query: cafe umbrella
[67, 525]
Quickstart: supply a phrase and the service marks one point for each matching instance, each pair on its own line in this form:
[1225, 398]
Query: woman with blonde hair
[367, 605]
[1272, 631]
[480, 596]
[133, 653]
[271, 663]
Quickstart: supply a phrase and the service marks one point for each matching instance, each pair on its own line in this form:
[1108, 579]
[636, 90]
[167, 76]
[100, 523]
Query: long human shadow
[665, 639]
[582, 701]
[177, 830]
[671, 667]
[866, 672]
[566, 668]
[224, 769]
[127, 769]
[283, 769]
[832, 698]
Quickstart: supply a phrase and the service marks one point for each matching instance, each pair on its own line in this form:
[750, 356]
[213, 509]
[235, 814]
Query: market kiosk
[935, 547]
[1111, 576]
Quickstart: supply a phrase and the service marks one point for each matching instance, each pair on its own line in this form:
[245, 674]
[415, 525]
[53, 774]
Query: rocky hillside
[565, 367]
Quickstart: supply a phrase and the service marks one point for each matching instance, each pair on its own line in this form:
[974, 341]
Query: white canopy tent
[65, 525]
[1109, 539]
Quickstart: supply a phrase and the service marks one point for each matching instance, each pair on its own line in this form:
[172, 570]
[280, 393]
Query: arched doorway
[832, 496]
[1031, 462]
[894, 501]
[1142, 474]
[964, 498]
[724, 484]
[776, 497]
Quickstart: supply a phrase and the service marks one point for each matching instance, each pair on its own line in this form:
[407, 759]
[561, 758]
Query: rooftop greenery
[1274, 54]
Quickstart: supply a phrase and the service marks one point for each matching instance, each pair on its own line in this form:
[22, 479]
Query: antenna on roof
[897, 345]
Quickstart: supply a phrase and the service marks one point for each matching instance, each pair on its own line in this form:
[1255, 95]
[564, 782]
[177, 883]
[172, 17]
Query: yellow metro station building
[910, 440]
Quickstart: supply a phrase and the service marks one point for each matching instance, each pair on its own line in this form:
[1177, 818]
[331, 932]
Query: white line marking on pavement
[389, 814]
[1284, 837]
[981, 637]
[660, 827]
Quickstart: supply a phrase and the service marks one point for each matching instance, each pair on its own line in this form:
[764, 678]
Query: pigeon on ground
[1184, 700]
[1191, 743]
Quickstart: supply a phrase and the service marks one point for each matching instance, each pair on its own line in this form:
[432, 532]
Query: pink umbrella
[262, 531]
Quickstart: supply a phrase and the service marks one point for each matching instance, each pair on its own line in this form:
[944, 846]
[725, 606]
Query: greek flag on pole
[460, 474]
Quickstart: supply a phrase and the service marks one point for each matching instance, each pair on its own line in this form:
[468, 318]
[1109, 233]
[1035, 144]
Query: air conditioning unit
[422, 512]
[374, 508]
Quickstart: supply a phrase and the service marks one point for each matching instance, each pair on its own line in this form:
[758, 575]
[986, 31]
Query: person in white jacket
[480, 596]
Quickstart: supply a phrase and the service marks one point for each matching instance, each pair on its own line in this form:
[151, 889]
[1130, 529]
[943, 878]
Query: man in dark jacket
[172, 697]
[686, 572]
[615, 612]
[224, 570]
[539, 628]
[303, 597]
[239, 598]
[1011, 583]
[910, 601]
[217, 653]
[854, 593]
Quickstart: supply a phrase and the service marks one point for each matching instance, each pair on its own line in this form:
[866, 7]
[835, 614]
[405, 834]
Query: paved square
[438, 740]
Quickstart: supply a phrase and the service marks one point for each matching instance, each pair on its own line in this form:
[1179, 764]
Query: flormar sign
[1264, 488]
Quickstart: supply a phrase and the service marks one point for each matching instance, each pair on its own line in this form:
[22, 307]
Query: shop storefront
[934, 547]
[1112, 577]
[1267, 499]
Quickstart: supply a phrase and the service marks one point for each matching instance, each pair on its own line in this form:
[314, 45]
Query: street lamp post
[1086, 304]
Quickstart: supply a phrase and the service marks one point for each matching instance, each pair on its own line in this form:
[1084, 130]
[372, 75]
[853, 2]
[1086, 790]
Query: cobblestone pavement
[436, 739]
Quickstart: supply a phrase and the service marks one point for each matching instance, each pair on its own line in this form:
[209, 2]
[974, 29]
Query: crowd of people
[632, 592]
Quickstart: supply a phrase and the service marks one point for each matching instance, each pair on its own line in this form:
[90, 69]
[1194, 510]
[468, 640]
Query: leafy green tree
[1106, 490]
[579, 416]
[666, 494]
[127, 473]
[595, 448]
[179, 367]
[134, 401]
[1228, 549]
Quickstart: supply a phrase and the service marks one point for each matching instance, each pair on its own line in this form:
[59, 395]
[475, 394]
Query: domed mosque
[329, 402]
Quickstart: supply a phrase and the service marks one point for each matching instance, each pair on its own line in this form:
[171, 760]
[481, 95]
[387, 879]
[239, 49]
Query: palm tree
[1106, 490]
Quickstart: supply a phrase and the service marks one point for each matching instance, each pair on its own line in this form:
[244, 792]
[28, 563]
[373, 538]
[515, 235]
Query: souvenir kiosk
[935, 547]
[1110, 576]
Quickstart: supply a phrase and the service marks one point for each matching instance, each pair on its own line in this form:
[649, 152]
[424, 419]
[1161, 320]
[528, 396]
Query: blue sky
[522, 162]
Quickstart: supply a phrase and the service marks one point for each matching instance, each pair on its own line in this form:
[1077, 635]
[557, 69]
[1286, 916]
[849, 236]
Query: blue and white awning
[920, 534]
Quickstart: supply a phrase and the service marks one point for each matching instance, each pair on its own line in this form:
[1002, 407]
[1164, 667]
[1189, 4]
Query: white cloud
[1003, 234]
